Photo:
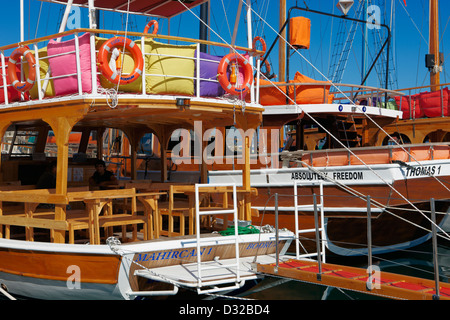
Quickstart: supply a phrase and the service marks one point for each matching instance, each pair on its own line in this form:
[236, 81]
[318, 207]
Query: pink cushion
[66, 64]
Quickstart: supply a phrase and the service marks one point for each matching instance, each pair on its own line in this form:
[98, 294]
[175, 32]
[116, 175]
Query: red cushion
[416, 110]
[13, 94]
[431, 103]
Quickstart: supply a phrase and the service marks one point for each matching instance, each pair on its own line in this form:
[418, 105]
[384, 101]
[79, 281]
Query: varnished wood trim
[94, 268]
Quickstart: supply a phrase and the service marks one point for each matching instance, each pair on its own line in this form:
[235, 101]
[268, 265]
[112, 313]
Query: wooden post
[246, 123]
[203, 163]
[100, 133]
[62, 127]
[282, 44]
[246, 180]
[84, 141]
[134, 136]
[3, 127]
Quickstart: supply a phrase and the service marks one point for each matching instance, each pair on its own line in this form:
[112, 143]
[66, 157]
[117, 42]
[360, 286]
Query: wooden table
[97, 200]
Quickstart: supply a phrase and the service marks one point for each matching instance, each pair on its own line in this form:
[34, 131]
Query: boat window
[400, 138]
[19, 143]
[145, 147]
[437, 136]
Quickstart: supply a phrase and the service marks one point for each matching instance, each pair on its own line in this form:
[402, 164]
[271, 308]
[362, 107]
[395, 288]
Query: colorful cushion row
[300, 94]
[429, 104]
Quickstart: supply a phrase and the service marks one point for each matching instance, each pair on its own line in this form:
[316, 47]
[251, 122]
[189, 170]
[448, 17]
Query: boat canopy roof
[159, 8]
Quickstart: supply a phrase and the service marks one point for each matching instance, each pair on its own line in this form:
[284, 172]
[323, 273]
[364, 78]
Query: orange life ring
[225, 82]
[113, 76]
[263, 43]
[13, 59]
[150, 24]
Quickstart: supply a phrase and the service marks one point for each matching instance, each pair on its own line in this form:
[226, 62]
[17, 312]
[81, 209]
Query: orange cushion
[272, 96]
[309, 94]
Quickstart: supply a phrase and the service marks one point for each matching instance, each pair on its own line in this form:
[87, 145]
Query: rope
[376, 203]
[337, 140]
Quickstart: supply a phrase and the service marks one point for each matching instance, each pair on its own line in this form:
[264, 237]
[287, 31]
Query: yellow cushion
[50, 91]
[162, 69]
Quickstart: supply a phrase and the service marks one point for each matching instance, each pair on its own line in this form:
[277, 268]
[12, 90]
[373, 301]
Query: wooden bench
[29, 216]
[45, 221]
[97, 201]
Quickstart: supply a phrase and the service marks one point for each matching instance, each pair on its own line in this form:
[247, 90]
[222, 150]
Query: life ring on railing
[231, 86]
[150, 24]
[13, 59]
[106, 70]
[263, 43]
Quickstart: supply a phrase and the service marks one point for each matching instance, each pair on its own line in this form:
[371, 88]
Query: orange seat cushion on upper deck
[309, 94]
[272, 96]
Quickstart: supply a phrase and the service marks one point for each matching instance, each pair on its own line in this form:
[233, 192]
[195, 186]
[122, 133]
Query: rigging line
[331, 38]
[346, 47]
[39, 19]
[351, 102]
[374, 202]
[337, 140]
[226, 19]
[406, 10]
[443, 32]
[356, 106]
[123, 49]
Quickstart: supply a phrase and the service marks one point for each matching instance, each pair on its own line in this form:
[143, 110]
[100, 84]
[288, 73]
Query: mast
[365, 37]
[434, 45]
[204, 16]
[282, 45]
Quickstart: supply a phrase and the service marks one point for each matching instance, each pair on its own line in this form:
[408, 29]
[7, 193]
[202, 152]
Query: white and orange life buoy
[231, 86]
[263, 43]
[113, 76]
[22, 86]
[153, 23]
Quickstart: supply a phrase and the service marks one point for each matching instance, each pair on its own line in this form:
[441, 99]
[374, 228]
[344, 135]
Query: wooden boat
[136, 238]
[353, 129]
[339, 150]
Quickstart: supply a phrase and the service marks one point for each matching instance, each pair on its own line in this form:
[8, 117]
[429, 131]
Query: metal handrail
[93, 53]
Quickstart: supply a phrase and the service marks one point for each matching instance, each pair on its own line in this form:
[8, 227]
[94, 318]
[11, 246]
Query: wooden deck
[389, 285]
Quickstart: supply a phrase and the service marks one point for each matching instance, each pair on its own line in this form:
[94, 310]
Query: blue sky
[411, 33]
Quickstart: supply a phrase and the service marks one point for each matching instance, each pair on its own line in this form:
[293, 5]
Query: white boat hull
[70, 271]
